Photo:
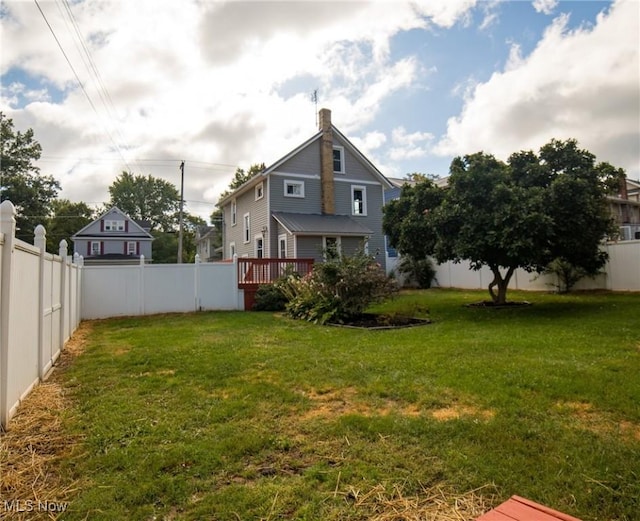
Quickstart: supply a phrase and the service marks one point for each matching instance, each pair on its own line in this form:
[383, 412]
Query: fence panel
[623, 268]
[23, 334]
[218, 286]
[33, 311]
[621, 273]
[110, 291]
[169, 288]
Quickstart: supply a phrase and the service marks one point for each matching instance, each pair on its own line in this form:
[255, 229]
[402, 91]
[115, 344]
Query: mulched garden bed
[381, 321]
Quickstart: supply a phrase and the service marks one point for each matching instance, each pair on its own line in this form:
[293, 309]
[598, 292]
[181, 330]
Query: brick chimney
[326, 162]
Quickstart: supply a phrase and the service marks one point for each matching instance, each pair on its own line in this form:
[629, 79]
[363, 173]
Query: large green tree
[21, 181]
[67, 218]
[147, 198]
[525, 213]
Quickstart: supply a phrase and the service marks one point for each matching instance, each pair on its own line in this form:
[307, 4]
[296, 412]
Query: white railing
[39, 310]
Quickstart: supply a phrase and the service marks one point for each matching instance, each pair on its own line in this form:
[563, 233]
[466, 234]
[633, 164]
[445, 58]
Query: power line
[86, 94]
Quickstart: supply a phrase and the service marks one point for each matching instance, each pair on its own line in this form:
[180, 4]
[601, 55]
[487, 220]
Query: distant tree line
[35, 196]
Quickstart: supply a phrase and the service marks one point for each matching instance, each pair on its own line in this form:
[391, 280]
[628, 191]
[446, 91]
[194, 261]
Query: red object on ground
[517, 508]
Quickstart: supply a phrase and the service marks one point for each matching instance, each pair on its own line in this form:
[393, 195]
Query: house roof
[271, 168]
[140, 234]
[317, 224]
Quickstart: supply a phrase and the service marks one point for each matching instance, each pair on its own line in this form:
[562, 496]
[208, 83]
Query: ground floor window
[282, 247]
[259, 246]
[331, 247]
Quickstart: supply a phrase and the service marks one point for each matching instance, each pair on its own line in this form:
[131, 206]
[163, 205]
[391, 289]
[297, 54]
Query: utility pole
[181, 212]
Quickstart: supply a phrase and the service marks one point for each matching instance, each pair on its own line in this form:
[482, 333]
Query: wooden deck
[517, 508]
[252, 273]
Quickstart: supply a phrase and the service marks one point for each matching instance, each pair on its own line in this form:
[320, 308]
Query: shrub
[270, 297]
[338, 290]
[421, 272]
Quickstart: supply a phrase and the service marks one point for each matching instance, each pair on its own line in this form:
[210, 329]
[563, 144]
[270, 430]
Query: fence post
[141, 287]
[62, 252]
[8, 228]
[78, 260]
[40, 242]
[196, 282]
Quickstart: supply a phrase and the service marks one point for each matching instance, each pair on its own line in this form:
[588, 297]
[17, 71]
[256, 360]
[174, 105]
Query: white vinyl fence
[39, 310]
[146, 289]
[621, 273]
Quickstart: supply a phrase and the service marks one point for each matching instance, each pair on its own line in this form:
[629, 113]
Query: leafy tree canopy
[147, 198]
[67, 219]
[521, 214]
[241, 177]
[21, 181]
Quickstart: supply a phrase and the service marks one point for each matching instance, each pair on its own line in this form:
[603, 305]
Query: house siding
[304, 165]
[113, 242]
[258, 217]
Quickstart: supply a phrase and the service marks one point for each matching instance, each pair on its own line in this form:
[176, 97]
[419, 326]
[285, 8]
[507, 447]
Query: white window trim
[291, 182]
[258, 237]
[281, 238]
[342, 168]
[246, 228]
[232, 249]
[234, 212]
[129, 244]
[259, 191]
[92, 248]
[363, 189]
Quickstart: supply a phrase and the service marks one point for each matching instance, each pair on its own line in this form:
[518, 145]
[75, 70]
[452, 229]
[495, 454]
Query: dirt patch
[599, 422]
[36, 440]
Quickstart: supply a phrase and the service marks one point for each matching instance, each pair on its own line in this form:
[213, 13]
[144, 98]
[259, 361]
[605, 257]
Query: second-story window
[294, 188]
[259, 191]
[113, 226]
[246, 230]
[234, 212]
[359, 200]
[338, 160]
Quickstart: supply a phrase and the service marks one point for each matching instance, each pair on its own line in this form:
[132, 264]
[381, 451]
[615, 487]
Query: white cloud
[579, 84]
[445, 13]
[545, 6]
[200, 81]
[409, 145]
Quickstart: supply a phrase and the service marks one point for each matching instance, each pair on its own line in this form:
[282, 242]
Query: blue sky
[226, 84]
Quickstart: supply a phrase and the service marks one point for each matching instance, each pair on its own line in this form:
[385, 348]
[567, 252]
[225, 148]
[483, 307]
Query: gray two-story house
[114, 238]
[323, 196]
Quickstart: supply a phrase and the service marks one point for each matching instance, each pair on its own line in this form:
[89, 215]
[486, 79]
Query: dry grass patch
[599, 422]
[436, 503]
[457, 411]
[341, 402]
[36, 440]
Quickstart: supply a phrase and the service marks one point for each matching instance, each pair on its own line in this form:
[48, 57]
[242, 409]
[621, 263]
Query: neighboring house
[208, 243]
[114, 238]
[625, 209]
[325, 195]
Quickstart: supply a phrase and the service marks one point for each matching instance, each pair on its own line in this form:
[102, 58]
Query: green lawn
[235, 415]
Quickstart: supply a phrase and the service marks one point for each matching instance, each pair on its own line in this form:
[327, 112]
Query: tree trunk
[500, 298]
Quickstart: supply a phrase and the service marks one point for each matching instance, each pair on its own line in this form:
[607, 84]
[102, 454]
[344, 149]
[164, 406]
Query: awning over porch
[317, 224]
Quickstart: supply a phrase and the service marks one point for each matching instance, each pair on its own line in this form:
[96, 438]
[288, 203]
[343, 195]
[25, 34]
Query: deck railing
[253, 272]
